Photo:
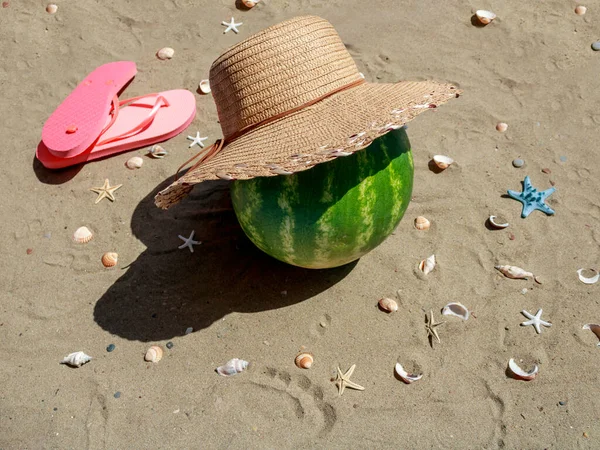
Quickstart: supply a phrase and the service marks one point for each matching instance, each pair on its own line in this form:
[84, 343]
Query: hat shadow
[167, 290]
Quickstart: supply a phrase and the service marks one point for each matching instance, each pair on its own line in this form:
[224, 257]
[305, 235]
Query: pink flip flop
[78, 120]
[131, 124]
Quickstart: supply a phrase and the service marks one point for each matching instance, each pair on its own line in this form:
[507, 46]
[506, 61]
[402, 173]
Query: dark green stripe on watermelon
[335, 212]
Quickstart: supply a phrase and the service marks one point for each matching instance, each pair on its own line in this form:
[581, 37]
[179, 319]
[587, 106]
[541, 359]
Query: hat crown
[278, 69]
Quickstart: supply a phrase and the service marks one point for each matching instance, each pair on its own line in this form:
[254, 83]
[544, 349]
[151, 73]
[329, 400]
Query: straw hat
[291, 97]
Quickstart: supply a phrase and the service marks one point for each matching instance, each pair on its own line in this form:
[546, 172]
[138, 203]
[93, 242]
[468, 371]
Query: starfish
[532, 199]
[105, 191]
[430, 327]
[536, 320]
[197, 140]
[231, 26]
[343, 380]
[189, 242]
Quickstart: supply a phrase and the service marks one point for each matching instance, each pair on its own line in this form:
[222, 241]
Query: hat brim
[334, 127]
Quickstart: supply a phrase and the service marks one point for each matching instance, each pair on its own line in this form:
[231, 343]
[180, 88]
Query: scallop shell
[520, 373]
[406, 377]
[443, 162]
[580, 10]
[109, 259]
[501, 127]
[427, 265]
[250, 3]
[134, 163]
[304, 360]
[76, 359]
[158, 152]
[591, 280]
[484, 16]
[497, 223]
[456, 309]
[154, 354]
[51, 8]
[421, 223]
[388, 305]
[165, 53]
[594, 328]
[82, 235]
[204, 86]
[232, 367]
[516, 273]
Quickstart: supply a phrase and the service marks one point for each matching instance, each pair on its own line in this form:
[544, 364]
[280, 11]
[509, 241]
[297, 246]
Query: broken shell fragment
[516, 273]
[204, 87]
[388, 305]
[250, 3]
[109, 259]
[304, 360]
[158, 152]
[497, 222]
[154, 354]
[456, 309]
[165, 53]
[427, 265]
[405, 376]
[588, 280]
[232, 367]
[443, 162]
[76, 359]
[594, 328]
[520, 373]
[82, 235]
[51, 8]
[485, 17]
[134, 163]
[421, 223]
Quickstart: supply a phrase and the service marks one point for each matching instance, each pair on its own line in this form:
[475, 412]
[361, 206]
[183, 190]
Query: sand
[532, 68]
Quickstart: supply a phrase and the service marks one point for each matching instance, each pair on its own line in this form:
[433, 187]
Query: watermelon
[333, 213]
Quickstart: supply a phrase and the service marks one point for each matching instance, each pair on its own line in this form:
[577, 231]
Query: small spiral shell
[232, 367]
[421, 223]
[109, 259]
[154, 354]
[304, 360]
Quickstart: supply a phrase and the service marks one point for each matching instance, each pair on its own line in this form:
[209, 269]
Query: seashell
[520, 373]
[484, 16]
[421, 223]
[516, 273]
[109, 259]
[76, 359]
[456, 309]
[304, 360]
[82, 235]
[204, 87]
[250, 3]
[497, 222]
[388, 305]
[443, 162]
[580, 10]
[591, 280]
[51, 8]
[594, 328]
[406, 377]
[232, 367]
[165, 53]
[427, 265]
[154, 354]
[501, 127]
[158, 152]
[134, 163]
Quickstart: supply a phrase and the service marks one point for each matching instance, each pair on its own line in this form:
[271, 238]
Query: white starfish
[231, 26]
[536, 320]
[189, 242]
[197, 140]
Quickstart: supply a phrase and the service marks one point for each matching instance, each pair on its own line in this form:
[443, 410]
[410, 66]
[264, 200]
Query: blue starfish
[532, 199]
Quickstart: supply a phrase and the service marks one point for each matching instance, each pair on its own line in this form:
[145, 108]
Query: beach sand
[532, 68]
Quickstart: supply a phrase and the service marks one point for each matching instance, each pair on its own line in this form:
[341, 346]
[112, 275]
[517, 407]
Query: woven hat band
[278, 70]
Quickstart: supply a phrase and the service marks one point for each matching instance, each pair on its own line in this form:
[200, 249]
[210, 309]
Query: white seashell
[501, 127]
[165, 53]
[304, 360]
[406, 377]
[76, 359]
[134, 163]
[158, 152]
[232, 367]
[456, 309]
[51, 8]
[580, 10]
[520, 373]
[443, 162]
[427, 265]
[204, 87]
[154, 354]
[388, 305]
[109, 259]
[591, 280]
[421, 223]
[250, 3]
[497, 222]
[516, 273]
[594, 328]
[82, 235]
[484, 16]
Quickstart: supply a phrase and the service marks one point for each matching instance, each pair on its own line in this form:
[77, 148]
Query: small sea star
[105, 191]
[231, 26]
[189, 242]
[343, 380]
[532, 199]
[536, 320]
[430, 327]
[197, 140]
